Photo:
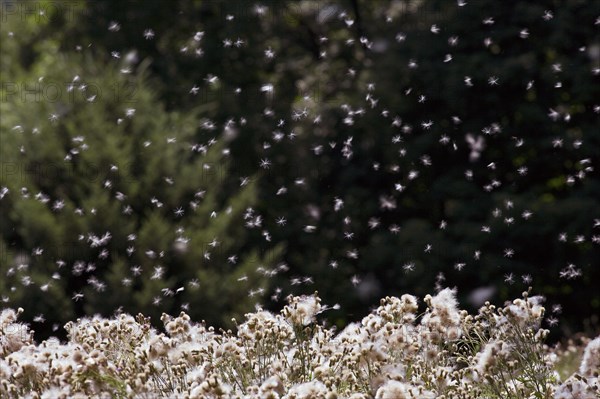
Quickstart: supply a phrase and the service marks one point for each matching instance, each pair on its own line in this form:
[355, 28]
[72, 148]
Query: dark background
[345, 63]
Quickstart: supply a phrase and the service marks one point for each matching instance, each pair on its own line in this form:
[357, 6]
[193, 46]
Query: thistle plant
[396, 352]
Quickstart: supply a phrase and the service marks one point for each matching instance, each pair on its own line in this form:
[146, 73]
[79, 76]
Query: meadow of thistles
[396, 352]
[207, 159]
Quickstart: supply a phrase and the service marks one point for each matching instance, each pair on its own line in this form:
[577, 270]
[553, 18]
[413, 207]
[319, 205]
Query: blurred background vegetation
[145, 145]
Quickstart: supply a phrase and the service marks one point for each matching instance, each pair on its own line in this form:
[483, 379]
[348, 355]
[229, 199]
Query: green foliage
[102, 172]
